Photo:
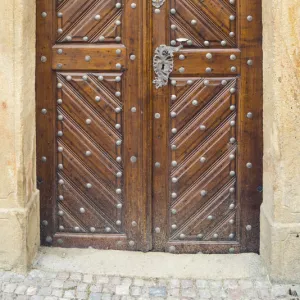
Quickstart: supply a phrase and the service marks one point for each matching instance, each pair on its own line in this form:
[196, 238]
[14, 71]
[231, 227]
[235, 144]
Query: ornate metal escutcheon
[163, 63]
[158, 3]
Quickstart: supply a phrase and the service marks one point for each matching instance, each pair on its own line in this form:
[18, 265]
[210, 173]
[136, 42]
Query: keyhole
[162, 66]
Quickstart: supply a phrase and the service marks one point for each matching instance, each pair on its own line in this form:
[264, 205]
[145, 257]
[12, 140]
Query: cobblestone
[39, 285]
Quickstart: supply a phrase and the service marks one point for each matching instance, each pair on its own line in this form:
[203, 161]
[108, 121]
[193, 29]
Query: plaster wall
[280, 211]
[19, 198]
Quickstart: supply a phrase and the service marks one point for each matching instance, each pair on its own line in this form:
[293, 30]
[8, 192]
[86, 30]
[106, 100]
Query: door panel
[123, 165]
[208, 137]
[92, 124]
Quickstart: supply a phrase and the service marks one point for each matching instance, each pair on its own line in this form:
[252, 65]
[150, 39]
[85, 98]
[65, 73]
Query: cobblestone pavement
[40, 285]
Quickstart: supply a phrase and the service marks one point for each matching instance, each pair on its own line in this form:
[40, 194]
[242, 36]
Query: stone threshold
[151, 264]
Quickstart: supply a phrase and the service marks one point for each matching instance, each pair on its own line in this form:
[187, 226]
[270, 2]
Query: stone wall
[19, 198]
[280, 212]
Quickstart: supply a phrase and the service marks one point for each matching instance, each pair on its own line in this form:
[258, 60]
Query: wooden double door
[149, 124]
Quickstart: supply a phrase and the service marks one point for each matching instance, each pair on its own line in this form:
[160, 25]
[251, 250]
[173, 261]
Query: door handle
[163, 62]
[158, 3]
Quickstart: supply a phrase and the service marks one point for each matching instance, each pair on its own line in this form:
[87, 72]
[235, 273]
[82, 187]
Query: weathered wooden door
[143, 146]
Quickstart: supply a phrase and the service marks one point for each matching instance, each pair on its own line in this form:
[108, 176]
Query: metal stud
[231, 235]
[69, 38]
[232, 90]
[60, 213]
[249, 62]
[118, 222]
[133, 5]
[118, 94]
[208, 56]
[181, 70]
[224, 82]
[181, 57]
[174, 179]
[118, 5]
[173, 82]
[60, 31]
[118, 126]
[232, 173]
[60, 149]
[173, 43]
[59, 85]
[193, 22]
[174, 226]
[249, 165]
[172, 249]
[88, 185]
[231, 34]
[133, 159]
[195, 102]
[133, 109]
[100, 78]
[203, 193]
[232, 1]
[44, 158]
[174, 163]
[131, 243]
[174, 130]
[202, 159]
[117, 79]
[82, 210]
[174, 195]
[249, 18]
[60, 166]
[60, 14]
[157, 165]
[88, 121]
[97, 17]
[119, 174]
[202, 127]
[248, 227]
[43, 59]
[44, 111]
[206, 82]
[210, 217]
[45, 222]
[223, 43]
[173, 27]
[206, 43]
[157, 230]
[92, 229]
[69, 78]
[215, 236]
[118, 110]
[231, 17]
[231, 250]
[189, 42]
[190, 82]
[200, 236]
[84, 77]
[118, 191]
[101, 38]
[49, 239]
[208, 70]
[173, 147]
[61, 197]
[118, 66]
[233, 69]
[118, 51]
[232, 57]
[231, 156]
[232, 140]
[44, 14]
[157, 116]
[173, 11]
[231, 221]
[249, 115]
[231, 206]
[118, 22]
[61, 228]
[85, 38]
[87, 58]
[118, 159]
[132, 57]
[232, 123]
[134, 223]
[232, 190]
[173, 114]
[88, 153]
[182, 236]
[118, 142]
[107, 229]
[97, 98]
[173, 211]
[232, 107]
[61, 182]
